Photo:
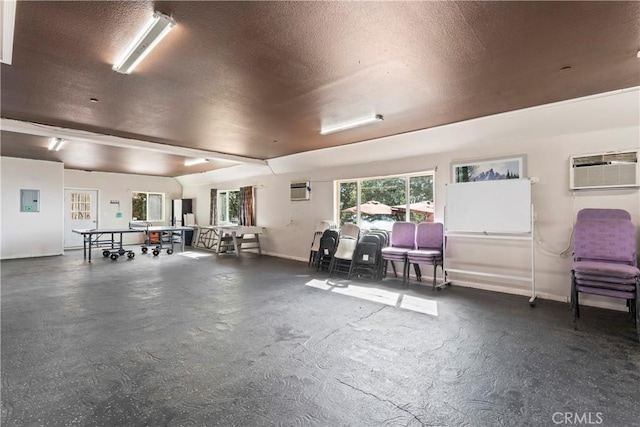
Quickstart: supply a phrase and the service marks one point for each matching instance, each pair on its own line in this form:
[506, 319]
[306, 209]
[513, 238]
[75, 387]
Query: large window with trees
[228, 206]
[146, 206]
[376, 203]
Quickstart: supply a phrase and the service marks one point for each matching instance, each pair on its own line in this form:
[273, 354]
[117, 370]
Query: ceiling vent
[300, 191]
[604, 170]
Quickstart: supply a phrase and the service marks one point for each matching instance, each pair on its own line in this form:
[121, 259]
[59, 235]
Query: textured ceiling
[258, 79]
[96, 157]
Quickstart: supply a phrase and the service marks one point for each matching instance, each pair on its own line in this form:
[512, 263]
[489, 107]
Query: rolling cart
[159, 238]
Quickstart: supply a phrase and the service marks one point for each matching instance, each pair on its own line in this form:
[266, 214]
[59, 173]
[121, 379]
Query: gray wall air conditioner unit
[604, 170]
[300, 191]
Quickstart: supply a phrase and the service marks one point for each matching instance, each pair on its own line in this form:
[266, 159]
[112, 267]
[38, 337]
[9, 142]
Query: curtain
[154, 206]
[213, 208]
[247, 213]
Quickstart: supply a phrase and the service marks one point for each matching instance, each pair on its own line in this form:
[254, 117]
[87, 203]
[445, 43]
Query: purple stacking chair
[402, 240]
[429, 248]
[605, 263]
[593, 213]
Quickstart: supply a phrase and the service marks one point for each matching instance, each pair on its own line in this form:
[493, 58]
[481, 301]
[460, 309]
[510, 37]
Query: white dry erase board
[502, 206]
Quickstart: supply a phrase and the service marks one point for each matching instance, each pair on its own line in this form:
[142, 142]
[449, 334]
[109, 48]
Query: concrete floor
[182, 341]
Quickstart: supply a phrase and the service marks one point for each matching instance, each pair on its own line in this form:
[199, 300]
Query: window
[80, 206]
[147, 206]
[376, 203]
[228, 206]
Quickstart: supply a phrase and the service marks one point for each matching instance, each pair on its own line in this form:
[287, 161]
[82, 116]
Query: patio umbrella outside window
[424, 207]
[371, 207]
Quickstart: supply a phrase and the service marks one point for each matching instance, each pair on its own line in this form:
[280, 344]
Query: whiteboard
[502, 206]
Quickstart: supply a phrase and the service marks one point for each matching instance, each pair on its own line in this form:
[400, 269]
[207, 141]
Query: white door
[80, 211]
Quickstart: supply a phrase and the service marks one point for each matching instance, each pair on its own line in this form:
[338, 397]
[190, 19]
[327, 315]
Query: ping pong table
[111, 240]
[108, 239]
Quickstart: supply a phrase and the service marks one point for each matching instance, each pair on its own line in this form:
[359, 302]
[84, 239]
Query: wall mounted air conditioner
[300, 191]
[604, 170]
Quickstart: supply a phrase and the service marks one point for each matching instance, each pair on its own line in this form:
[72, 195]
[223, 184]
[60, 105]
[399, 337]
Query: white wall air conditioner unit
[604, 170]
[300, 191]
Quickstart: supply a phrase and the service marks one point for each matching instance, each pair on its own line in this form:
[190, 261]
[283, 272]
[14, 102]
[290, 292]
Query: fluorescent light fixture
[56, 144]
[8, 11]
[350, 125]
[191, 162]
[155, 30]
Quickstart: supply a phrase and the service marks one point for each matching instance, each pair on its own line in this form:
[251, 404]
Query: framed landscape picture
[512, 167]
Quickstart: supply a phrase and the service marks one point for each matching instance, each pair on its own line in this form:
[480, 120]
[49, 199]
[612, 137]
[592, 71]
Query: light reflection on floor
[377, 294]
[194, 255]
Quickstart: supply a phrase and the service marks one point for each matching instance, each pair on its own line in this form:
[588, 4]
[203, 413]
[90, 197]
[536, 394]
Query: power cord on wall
[292, 215]
[545, 249]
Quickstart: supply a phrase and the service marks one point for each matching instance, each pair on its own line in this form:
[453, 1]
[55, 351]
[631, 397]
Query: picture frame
[489, 169]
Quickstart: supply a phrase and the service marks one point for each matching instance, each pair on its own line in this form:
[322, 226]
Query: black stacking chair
[367, 259]
[328, 244]
[383, 235]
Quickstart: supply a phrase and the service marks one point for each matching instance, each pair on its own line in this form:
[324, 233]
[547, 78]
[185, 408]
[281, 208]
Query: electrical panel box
[29, 200]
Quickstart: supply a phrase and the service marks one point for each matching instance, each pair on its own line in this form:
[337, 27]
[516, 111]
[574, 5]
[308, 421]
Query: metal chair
[350, 230]
[605, 263]
[367, 259]
[317, 235]
[429, 248]
[328, 244]
[402, 240]
[383, 235]
[343, 256]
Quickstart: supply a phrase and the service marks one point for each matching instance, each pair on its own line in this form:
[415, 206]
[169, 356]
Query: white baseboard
[32, 256]
[294, 258]
[608, 304]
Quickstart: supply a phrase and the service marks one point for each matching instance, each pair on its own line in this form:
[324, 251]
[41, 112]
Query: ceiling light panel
[154, 31]
[56, 144]
[350, 125]
[8, 11]
[192, 162]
